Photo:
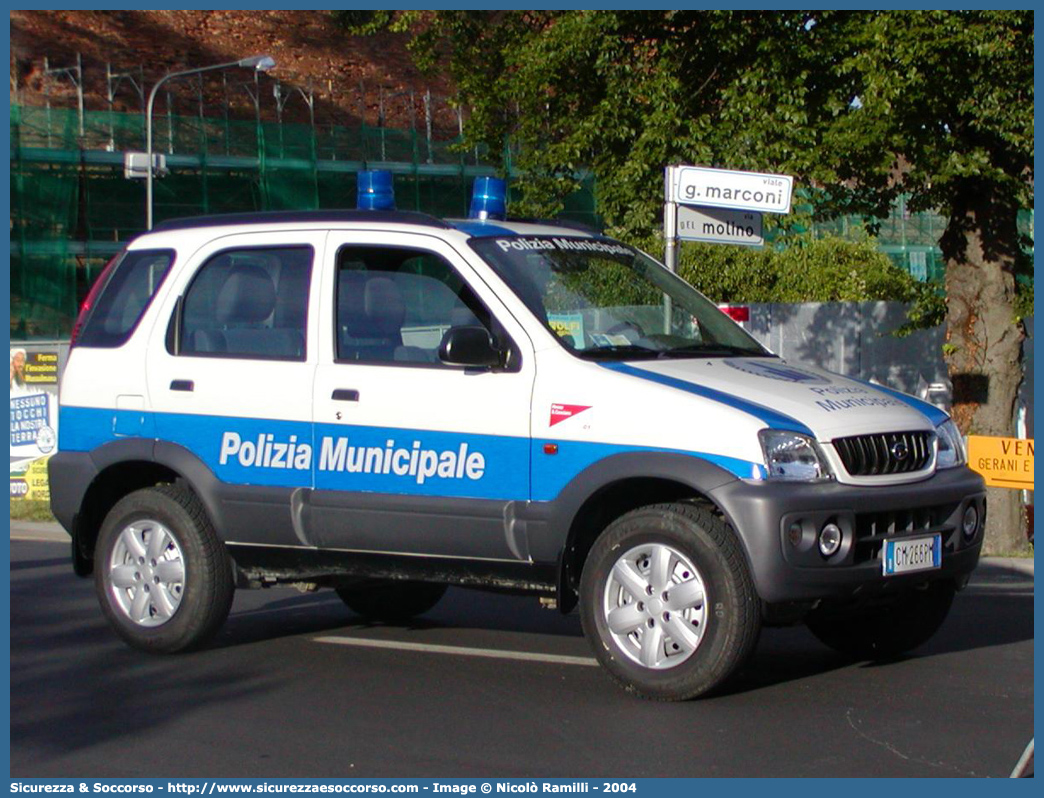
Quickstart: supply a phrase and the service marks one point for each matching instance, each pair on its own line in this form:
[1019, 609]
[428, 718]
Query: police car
[386, 403]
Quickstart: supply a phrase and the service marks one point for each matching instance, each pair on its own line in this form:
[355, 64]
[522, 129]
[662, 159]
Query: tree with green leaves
[947, 116]
[860, 106]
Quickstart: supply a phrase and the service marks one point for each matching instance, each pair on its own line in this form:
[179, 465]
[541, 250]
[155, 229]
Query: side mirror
[471, 347]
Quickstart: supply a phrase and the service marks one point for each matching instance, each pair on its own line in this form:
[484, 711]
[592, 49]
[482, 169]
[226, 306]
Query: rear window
[122, 301]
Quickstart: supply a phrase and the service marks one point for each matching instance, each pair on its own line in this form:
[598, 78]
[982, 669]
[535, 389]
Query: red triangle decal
[560, 413]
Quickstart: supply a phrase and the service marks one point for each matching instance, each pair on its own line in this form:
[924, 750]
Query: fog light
[830, 540]
[794, 534]
[970, 522]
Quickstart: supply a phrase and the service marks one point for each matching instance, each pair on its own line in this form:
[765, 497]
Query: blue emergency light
[376, 191]
[488, 199]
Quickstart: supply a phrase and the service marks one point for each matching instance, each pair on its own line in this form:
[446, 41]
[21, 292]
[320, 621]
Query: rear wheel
[390, 601]
[883, 631]
[668, 603]
[162, 576]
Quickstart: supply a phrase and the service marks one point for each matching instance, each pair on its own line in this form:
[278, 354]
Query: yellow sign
[568, 324]
[1004, 462]
[32, 484]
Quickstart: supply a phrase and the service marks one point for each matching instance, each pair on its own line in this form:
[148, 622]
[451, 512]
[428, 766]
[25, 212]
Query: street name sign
[720, 226]
[725, 188]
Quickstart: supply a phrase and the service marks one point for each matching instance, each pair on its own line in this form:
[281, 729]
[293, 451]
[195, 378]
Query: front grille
[872, 528]
[887, 523]
[885, 453]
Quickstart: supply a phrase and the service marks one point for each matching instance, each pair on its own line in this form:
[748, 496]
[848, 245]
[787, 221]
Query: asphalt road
[295, 685]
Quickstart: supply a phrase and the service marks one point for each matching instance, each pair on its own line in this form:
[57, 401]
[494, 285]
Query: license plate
[905, 555]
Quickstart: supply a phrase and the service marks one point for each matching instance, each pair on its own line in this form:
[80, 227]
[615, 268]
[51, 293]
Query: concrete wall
[854, 338]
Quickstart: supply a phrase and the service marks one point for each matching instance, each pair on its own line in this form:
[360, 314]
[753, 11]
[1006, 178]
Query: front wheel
[884, 631]
[163, 577]
[668, 603]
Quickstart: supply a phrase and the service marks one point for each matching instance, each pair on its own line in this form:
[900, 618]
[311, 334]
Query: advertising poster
[34, 421]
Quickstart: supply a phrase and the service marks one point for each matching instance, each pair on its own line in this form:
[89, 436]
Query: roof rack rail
[290, 217]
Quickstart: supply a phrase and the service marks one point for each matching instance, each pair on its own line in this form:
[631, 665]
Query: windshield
[605, 300]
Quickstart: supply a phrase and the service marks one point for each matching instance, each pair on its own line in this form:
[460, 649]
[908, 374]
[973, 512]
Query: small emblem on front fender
[560, 413]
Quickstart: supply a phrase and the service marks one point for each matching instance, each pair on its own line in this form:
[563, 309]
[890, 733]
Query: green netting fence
[72, 207]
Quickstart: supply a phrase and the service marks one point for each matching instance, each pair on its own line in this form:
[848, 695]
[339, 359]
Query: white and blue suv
[386, 403]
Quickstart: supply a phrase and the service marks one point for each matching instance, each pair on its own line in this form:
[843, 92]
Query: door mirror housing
[471, 347]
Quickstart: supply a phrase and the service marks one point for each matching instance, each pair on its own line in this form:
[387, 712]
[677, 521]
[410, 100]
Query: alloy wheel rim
[655, 606]
[147, 573]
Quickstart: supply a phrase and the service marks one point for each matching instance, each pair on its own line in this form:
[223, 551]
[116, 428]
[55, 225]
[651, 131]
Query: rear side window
[249, 303]
[122, 301]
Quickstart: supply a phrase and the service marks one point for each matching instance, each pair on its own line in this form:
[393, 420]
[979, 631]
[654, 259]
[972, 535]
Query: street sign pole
[670, 221]
[670, 239]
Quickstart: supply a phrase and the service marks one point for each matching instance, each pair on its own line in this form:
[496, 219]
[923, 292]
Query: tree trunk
[984, 339]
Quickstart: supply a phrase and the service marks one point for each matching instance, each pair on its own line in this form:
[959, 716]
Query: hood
[787, 396]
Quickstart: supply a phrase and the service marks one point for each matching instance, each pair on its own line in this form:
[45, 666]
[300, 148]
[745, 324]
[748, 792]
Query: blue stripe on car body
[512, 468]
[930, 411]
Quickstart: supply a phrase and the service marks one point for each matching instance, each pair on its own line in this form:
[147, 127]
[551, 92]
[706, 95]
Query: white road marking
[431, 648]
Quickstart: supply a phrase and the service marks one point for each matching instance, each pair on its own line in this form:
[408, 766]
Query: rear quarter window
[124, 298]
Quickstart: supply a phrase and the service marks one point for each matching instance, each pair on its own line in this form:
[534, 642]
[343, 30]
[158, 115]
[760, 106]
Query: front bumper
[764, 512]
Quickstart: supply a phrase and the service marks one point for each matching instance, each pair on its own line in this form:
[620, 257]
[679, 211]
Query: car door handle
[182, 385]
[345, 395]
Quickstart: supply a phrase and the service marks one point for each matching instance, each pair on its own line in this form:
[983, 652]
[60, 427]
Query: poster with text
[34, 420]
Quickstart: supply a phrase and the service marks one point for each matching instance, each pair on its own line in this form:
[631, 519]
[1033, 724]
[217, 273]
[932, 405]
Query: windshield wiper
[617, 351]
[711, 350]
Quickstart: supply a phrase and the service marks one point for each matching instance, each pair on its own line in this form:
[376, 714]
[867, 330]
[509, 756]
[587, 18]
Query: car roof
[300, 217]
[476, 228]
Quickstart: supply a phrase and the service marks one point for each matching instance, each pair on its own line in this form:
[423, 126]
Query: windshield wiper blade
[609, 351]
[711, 350]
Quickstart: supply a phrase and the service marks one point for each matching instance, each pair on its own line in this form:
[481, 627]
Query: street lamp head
[262, 63]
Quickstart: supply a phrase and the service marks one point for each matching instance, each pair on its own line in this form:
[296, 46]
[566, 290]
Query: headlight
[951, 446]
[792, 457]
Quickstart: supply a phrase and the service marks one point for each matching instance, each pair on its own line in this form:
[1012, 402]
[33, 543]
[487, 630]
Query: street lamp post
[262, 63]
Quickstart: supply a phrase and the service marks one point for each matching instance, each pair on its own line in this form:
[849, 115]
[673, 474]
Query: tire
[667, 602]
[884, 631]
[163, 578]
[391, 601]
